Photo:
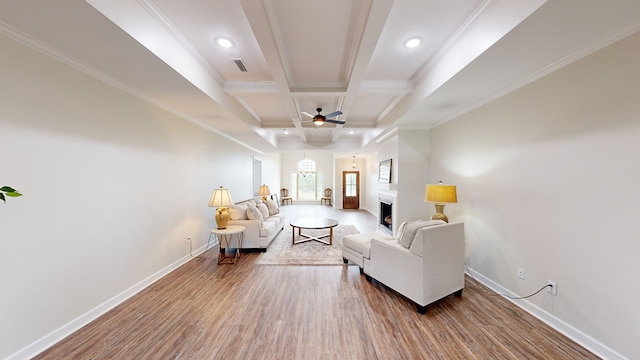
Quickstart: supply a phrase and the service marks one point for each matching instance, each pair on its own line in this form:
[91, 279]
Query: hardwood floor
[245, 311]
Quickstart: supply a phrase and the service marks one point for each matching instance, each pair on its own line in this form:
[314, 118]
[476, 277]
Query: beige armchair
[424, 270]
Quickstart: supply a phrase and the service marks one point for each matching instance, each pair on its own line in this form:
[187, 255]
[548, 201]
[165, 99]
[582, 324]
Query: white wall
[548, 180]
[413, 175]
[112, 187]
[271, 172]
[369, 194]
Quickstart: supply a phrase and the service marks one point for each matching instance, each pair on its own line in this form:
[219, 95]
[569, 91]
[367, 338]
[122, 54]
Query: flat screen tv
[384, 172]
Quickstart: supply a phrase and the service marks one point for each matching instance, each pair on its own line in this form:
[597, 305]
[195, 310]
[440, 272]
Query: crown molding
[164, 21]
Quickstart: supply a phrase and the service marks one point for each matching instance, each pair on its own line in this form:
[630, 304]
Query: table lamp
[264, 192]
[440, 194]
[221, 198]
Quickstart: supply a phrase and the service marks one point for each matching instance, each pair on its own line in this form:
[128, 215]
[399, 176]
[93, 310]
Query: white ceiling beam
[493, 20]
[373, 27]
[147, 25]
[266, 32]
[366, 87]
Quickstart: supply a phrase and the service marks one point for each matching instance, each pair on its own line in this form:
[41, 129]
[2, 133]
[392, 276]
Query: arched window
[306, 166]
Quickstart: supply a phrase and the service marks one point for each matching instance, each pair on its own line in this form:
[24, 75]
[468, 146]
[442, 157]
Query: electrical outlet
[552, 288]
[521, 273]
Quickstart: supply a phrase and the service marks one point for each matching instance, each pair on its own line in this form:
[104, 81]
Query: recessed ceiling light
[286, 131]
[413, 42]
[351, 132]
[224, 42]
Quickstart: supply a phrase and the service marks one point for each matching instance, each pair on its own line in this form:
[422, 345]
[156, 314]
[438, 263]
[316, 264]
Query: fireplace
[386, 213]
[386, 217]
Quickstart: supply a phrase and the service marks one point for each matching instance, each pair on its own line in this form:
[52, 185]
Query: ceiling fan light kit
[320, 119]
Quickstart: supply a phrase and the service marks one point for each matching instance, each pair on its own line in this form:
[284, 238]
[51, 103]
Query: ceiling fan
[320, 119]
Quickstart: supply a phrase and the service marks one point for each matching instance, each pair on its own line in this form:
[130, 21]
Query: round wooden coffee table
[313, 224]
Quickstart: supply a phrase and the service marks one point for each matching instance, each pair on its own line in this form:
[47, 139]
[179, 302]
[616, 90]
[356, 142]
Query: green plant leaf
[2, 198]
[7, 189]
[13, 194]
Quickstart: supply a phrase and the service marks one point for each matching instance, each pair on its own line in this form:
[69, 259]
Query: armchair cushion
[357, 247]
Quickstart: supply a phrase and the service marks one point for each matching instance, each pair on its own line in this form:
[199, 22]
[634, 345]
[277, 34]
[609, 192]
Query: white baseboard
[569, 331]
[69, 328]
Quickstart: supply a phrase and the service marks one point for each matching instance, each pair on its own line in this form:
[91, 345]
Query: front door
[350, 189]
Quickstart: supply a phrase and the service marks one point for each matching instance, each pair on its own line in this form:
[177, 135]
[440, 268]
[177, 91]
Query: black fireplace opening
[386, 222]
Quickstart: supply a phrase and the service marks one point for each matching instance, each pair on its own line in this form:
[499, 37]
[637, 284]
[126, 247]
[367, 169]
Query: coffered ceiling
[290, 57]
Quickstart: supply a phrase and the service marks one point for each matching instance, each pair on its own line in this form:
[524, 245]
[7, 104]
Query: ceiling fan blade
[306, 113]
[335, 113]
[335, 121]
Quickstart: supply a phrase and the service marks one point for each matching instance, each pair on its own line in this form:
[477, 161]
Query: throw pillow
[254, 214]
[238, 212]
[272, 206]
[411, 229]
[263, 210]
[400, 231]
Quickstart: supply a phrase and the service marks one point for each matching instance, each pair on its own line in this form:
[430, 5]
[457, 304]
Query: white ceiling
[342, 55]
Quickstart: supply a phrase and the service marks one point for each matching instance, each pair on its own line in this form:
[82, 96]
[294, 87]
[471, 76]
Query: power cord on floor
[500, 294]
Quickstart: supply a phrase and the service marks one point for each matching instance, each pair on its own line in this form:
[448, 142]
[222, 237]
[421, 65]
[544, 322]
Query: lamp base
[222, 218]
[439, 215]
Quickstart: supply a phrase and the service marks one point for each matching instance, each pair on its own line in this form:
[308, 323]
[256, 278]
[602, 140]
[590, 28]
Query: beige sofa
[260, 227]
[424, 262]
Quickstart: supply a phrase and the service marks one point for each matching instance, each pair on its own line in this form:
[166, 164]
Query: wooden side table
[231, 235]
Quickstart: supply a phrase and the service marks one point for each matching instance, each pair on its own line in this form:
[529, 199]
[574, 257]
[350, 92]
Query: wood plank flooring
[245, 311]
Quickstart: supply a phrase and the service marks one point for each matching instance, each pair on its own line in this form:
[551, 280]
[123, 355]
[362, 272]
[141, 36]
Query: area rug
[282, 252]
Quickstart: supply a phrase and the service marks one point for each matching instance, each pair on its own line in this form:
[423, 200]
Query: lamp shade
[440, 193]
[264, 190]
[220, 197]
